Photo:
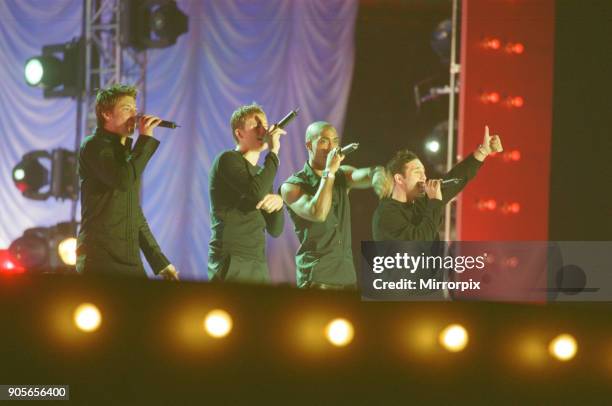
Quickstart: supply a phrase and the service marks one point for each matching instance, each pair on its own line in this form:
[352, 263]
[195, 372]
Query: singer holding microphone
[411, 207]
[318, 201]
[113, 227]
[242, 204]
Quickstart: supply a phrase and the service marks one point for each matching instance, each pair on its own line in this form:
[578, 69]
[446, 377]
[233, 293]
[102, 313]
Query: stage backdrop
[280, 53]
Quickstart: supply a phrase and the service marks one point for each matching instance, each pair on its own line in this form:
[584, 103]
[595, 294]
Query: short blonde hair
[240, 115]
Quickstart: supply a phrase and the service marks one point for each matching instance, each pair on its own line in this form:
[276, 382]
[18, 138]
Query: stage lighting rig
[151, 23]
[47, 249]
[59, 71]
[32, 178]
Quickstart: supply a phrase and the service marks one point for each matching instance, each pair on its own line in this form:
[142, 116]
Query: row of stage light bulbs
[339, 332]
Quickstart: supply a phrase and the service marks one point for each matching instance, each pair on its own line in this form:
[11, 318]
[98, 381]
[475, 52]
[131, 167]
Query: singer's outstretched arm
[464, 170]
[468, 168]
[360, 178]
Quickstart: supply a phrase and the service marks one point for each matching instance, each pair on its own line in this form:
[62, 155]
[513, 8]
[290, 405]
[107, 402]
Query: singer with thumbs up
[411, 207]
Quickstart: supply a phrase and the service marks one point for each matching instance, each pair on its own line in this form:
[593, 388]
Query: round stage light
[432, 146]
[67, 251]
[31, 250]
[339, 332]
[87, 317]
[34, 71]
[218, 323]
[563, 347]
[454, 338]
[19, 174]
[30, 175]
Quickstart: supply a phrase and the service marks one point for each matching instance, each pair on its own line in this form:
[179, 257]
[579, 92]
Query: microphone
[449, 182]
[347, 149]
[168, 124]
[288, 118]
[163, 123]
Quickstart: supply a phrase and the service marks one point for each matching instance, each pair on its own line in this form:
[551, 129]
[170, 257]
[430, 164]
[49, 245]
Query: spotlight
[491, 43]
[59, 71]
[31, 177]
[441, 40]
[339, 332]
[516, 101]
[563, 347]
[9, 265]
[34, 71]
[490, 97]
[486, 204]
[515, 48]
[87, 317]
[454, 338]
[432, 146]
[47, 249]
[66, 250]
[151, 23]
[218, 323]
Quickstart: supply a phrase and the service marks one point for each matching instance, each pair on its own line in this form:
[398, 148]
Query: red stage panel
[506, 82]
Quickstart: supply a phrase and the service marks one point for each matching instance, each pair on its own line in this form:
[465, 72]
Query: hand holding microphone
[433, 188]
[275, 131]
[146, 123]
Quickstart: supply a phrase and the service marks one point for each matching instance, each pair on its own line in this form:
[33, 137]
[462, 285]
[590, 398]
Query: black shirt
[238, 228]
[325, 254]
[113, 227]
[420, 220]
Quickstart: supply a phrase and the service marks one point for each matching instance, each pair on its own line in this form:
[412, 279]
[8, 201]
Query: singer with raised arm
[113, 228]
[318, 204]
[411, 207]
[242, 203]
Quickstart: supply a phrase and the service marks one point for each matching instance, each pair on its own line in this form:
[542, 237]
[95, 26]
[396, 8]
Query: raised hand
[433, 188]
[146, 124]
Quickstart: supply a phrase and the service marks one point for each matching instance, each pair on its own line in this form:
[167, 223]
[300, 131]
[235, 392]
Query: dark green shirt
[325, 254]
[113, 227]
[420, 220]
[238, 228]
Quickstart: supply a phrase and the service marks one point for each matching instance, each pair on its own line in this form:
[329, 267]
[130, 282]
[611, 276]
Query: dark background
[581, 164]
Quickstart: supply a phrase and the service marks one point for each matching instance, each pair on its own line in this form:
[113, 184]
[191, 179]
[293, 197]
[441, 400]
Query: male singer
[319, 206]
[113, 227]
[411, 206]
[242, 204]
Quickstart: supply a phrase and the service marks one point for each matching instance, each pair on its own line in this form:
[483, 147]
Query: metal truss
[107, 62]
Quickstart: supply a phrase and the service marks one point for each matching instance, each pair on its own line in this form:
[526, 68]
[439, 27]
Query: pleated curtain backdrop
[280, 53]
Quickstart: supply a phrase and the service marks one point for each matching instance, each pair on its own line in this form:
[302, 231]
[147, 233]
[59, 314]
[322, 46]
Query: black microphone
[168, 124]
[347, 149]
[449, 182]
[288, 118]
[163, 123]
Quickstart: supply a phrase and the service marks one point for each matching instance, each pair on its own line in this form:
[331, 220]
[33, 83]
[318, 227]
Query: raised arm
[467, 169]
[361, 178]
[314, 208]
